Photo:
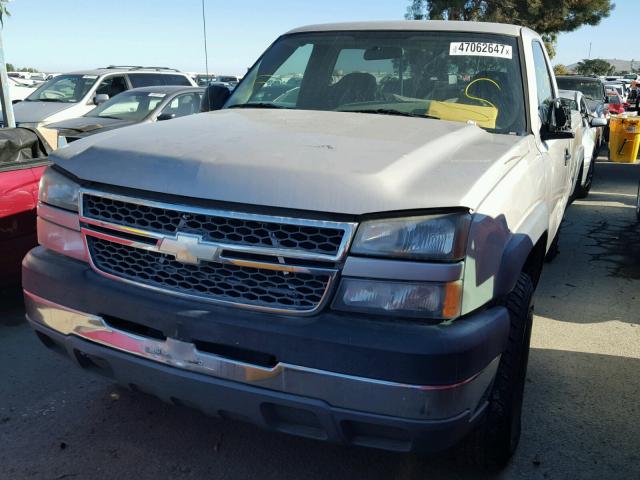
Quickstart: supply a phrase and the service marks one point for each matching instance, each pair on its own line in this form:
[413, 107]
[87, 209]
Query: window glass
[112, 86]
[132, 106]
[544, 88]
[584, 110]
[569, 103]
[151, 79]
[64, 88]
[282, 85]
[185, 104]
[444, 75]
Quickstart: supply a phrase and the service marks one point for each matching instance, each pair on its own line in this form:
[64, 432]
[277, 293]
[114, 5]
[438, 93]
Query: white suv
[73, 94]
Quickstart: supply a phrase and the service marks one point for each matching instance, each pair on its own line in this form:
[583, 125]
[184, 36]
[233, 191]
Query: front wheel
[554, 248]
[582, 191]
[494, 441]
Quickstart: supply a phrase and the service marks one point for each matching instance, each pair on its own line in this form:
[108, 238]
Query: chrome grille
[230, 283]
[270, 263]
[215, 228]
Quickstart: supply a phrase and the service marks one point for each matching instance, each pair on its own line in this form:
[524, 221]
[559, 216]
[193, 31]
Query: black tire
[554, 248]
[638, 204]
[582, 191]
[493, 442]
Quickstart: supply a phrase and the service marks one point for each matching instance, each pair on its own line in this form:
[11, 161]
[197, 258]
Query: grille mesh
[313, 239]
[252, 286]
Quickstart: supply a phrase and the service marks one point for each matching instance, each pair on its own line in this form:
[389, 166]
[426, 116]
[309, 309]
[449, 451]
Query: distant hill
[621, 65]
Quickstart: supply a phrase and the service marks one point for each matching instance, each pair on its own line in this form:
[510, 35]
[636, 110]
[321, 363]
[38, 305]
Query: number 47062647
[482, 49]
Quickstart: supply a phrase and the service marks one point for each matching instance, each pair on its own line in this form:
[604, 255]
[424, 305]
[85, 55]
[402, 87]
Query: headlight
[58, 190]
[439, 301]
[434, 237]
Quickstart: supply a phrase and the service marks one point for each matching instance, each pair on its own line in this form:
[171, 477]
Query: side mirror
[100, 98]
[598, 122]
[558, 122]
[165, 116]
[214, 98]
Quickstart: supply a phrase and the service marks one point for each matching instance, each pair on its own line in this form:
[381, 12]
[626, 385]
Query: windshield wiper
[389, 111]
[49, 100]
[256, 105]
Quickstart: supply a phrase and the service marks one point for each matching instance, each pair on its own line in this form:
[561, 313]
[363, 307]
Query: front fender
[519, 246]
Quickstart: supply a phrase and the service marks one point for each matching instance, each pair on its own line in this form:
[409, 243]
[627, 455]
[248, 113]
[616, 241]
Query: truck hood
[34, 112]
[350, 163]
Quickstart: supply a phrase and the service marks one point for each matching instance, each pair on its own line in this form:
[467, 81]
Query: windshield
[64, 88]
[131, 106]
[590, 89]
[446, 75]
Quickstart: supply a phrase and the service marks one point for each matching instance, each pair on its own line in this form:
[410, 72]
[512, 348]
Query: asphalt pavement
[581, 412]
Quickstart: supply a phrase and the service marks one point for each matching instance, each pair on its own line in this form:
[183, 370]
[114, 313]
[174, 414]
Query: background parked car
[203, 80]
[73, 94]
[619, 88]
[23, 158]
[18, 90]
[616, 104]
[585, 149]
[595, 97]
[139, 105]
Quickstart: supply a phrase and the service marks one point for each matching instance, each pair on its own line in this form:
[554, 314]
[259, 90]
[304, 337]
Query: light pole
[204, 31]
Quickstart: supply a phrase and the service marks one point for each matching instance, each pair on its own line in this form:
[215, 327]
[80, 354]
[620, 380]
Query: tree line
[12, 68]
[595, 66]
[547, 17]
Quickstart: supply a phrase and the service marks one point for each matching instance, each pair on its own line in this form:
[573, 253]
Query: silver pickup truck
[345, 248]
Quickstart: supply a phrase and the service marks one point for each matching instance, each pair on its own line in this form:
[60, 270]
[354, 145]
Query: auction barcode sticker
[481, 49]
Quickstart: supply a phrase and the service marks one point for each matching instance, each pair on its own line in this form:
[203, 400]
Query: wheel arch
[525, 251]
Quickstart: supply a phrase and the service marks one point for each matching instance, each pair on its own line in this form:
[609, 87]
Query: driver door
[556, 153]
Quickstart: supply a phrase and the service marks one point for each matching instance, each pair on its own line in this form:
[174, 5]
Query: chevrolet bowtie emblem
[189, 248]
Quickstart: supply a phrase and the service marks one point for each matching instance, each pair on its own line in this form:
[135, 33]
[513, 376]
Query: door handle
[567, 157]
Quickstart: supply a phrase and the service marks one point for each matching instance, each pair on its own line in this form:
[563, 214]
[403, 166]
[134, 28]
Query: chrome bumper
[419, 402]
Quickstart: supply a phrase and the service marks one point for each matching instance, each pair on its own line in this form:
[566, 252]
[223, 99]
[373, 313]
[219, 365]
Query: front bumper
[335, 404]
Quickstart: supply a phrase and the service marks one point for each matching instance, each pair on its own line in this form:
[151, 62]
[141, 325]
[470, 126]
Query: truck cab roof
[418, 25]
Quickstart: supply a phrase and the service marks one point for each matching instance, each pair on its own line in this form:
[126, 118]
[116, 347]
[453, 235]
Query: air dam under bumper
[295, 399]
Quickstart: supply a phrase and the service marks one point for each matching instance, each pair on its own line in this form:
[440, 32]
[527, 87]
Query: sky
[64, 35]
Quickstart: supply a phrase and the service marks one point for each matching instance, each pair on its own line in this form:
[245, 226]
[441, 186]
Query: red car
[616, 105]
[23, 158]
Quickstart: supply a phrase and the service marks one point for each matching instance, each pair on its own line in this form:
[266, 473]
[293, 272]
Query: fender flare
[519, 247]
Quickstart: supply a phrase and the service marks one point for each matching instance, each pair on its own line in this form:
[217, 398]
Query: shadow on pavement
[580, 421]
[582, 415]
[11, 307]
[595, 278]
